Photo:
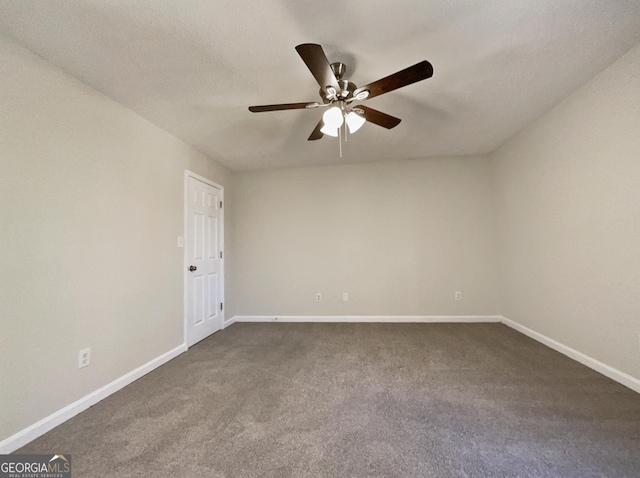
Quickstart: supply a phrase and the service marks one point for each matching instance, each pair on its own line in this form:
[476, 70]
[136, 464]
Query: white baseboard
[369, 318]
[606, 370]
[229, 322]
[32, 432]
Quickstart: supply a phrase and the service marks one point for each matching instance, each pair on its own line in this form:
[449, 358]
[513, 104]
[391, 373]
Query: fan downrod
[339, 69]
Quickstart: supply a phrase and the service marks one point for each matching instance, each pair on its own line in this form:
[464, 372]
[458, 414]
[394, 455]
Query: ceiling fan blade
[378, 117]
[284, 106]
[317, 134]
[419, 71]
[315, 59]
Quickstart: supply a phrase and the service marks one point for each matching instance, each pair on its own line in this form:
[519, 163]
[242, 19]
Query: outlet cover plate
[84, 358]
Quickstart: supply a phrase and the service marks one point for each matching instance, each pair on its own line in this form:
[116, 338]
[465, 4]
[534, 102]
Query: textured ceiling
[194, 66]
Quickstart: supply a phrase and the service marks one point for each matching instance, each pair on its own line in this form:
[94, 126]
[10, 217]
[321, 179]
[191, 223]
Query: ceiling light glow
[354, 121]
[329, 131]
[333, 117]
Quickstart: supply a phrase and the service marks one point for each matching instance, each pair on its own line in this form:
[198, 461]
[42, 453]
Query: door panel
[213, 296]
[198, 300]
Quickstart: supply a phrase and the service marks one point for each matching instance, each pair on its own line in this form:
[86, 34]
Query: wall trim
[600, 367]
[41, 427]
[369, 318]
[606, 370]
[229, 322]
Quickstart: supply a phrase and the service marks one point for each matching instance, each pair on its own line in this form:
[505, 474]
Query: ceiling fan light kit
[337, 94]
[333, 117]
[354, 121]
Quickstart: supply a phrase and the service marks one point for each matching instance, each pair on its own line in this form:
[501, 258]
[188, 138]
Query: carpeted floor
[343, 400]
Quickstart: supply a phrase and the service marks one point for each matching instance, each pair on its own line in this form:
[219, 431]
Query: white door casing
[204, 262]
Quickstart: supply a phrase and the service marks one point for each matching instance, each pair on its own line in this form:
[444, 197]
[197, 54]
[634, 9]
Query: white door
[204, 261]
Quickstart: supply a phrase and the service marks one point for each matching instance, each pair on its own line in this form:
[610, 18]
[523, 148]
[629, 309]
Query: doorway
[204, 258]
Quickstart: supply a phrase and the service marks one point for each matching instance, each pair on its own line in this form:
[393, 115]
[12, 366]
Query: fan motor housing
[347, 87]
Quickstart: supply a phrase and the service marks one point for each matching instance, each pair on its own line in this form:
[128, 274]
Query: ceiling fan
[338, 94]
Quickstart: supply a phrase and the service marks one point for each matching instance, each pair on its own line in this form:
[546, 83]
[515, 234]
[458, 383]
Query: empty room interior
[290, 238]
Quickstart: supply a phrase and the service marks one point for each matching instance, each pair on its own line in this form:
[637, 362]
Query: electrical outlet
[458, 295]
[84, 358]
[318, 296]
[345, 297]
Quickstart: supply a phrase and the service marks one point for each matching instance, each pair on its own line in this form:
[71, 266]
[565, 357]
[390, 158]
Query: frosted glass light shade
[329, 131]
[333, 117]
[354, 122]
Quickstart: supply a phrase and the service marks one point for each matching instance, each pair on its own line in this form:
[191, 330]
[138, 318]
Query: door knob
[192, 268]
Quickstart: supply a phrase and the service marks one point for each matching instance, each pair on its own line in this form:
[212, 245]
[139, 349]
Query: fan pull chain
[340, 140]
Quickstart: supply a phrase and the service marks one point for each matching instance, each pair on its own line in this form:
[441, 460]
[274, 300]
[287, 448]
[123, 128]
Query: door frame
[185, 226]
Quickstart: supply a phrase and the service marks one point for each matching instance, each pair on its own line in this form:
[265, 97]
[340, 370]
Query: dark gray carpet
[339, 400]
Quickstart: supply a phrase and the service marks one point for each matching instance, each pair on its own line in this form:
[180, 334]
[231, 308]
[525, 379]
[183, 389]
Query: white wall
[91, 207]
[400, 237]
[568, 209]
